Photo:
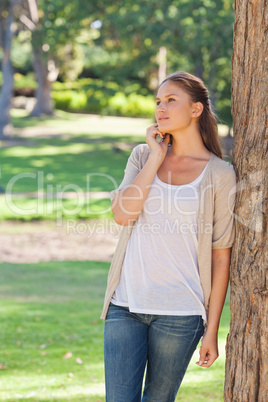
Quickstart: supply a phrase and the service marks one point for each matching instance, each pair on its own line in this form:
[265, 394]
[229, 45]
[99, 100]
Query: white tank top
[160, 269]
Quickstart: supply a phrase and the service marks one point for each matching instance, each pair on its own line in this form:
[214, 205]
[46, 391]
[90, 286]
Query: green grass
[78, 158]
[49, 309]
[82, 124]
[61, 163]
[33, 209]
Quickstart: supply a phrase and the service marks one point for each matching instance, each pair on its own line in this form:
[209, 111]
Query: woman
[169, 275]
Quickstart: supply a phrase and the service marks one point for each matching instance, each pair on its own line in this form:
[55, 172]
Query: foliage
[102, 97]
[25, 81]
[69, 100]
[21, 53]
[197, 35]
[120, 104]
[53, 33]
[119, 41]
[132, 105]
[62, 25]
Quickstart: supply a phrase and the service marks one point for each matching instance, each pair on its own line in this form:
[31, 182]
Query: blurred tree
[54, 27]
[120, 40]
[26, 15]
[197, 35]
[6, 32]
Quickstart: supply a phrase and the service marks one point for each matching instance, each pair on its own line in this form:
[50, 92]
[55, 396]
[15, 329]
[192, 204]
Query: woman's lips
[162, 118]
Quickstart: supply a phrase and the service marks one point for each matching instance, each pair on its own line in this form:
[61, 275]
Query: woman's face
[174, 110]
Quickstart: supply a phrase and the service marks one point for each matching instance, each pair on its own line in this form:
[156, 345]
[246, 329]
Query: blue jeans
[165, 343]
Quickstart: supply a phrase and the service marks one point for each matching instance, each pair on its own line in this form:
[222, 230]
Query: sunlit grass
[82, 124]
[62, 163]
[54, 209]
[49, 309]
[76, 163]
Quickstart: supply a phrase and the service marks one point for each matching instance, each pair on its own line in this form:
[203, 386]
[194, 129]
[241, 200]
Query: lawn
[50, 311]
[81, 154]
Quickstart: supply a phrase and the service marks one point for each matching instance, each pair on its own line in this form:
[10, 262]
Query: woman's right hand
[159, 148]
[129, 202]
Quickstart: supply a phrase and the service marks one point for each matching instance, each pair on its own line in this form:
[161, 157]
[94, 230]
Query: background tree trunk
[162, 63]
[44, 105]
[7, 70]
[246, 350]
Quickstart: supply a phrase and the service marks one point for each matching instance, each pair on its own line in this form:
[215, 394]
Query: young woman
[168, 279]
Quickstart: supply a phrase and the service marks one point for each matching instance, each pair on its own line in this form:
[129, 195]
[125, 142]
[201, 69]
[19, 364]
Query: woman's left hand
[209, 350]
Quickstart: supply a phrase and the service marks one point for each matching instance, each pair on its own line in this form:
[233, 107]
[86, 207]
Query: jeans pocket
[116, 312]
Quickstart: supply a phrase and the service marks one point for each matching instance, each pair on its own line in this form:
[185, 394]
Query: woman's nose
[161, 107]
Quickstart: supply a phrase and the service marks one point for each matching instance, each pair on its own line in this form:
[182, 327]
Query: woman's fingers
[209, 350]
[206, 358]
[160, 147]
[166, 138]
[154, 131]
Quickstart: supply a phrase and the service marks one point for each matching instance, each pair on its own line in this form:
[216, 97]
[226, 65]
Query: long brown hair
[207, 121]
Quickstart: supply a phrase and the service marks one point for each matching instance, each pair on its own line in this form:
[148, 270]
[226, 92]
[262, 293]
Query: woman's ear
[198, 109]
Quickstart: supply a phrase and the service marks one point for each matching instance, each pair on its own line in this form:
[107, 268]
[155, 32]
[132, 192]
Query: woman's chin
[163, 126]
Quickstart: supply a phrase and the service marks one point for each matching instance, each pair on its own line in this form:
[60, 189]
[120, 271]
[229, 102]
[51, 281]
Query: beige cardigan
[215, 218]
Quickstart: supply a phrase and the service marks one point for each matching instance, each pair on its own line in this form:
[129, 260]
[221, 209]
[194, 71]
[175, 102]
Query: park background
[84, 77]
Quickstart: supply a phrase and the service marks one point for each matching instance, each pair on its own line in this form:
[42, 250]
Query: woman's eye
[171, 99]
[157, 103]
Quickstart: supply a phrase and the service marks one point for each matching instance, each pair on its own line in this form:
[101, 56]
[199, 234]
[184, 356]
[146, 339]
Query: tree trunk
[162, 62]
[7, 70]
[43, 104]
[199, 70]
[247, 346]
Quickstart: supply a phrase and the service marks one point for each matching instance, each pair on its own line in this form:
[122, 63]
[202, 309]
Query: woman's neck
[189, 146]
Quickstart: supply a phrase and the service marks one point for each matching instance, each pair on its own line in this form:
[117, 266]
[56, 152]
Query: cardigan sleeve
[131, 171]
[224, 200]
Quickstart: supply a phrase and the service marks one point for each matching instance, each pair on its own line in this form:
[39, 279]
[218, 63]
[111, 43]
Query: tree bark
[247, 346]
[7, 70]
